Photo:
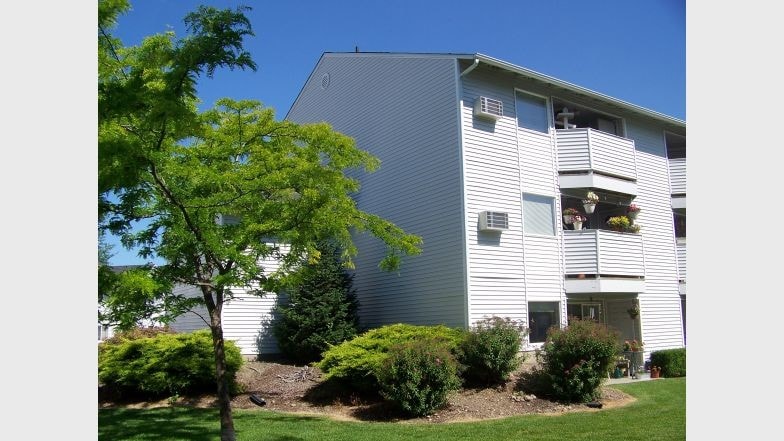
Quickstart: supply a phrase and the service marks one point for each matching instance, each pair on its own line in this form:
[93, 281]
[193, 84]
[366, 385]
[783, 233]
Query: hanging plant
[634, 312]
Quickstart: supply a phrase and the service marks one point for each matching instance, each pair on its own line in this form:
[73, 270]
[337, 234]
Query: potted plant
[590, 201]
[632, 346]
[577, 221]
[655, 372]
[568, 215]
[632, 210]
[634, 311]
[618, 223]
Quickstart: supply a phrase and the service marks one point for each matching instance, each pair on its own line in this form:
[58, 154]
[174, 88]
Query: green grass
[658, 414]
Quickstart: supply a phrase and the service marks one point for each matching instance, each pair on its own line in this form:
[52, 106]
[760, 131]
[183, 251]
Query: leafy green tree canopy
[219, 191]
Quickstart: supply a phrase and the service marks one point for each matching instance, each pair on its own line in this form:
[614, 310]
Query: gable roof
[479, 58]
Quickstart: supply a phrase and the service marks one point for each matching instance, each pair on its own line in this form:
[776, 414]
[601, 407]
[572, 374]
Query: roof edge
[555, 81]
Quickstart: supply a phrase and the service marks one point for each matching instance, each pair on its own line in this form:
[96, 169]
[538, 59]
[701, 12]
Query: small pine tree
[321, 309]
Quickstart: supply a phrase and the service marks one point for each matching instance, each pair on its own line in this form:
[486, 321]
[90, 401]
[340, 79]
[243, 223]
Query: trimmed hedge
[164, 365]
[671, 361]
[357, 361]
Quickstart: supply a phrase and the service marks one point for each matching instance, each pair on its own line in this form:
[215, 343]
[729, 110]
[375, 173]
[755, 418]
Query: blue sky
[631, 50]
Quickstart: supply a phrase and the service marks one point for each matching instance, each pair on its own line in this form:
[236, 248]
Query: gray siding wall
[501, 163]
[402, 109]
[660, 304]
[194, 319]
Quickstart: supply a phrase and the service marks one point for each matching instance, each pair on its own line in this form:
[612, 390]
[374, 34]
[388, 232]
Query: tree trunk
[224, 396]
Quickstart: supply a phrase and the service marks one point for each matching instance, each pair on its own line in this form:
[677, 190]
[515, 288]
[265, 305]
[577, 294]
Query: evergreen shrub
[164, 365]
[320, 309]
[357, 361]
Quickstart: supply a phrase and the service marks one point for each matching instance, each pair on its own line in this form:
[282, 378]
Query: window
[531, 112]
[541, 317]
[585, 311]
[538, 214]
[680, 225]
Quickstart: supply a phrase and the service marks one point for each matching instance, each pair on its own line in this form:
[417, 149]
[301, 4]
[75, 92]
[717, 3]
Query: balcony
[680, 249]
[678, 182]
[590, 158]
[603, 262]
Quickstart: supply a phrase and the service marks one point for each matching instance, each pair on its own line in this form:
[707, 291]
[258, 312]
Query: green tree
[321, 308]
[183, 172]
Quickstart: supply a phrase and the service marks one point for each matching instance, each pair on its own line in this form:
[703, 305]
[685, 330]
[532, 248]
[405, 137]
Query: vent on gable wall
[488, 108]
[493, 221]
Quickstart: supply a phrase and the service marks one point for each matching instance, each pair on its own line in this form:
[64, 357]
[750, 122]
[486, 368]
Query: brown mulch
[300, 389]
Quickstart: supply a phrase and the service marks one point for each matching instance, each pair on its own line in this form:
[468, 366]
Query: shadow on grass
[186, 423]
[158, 424]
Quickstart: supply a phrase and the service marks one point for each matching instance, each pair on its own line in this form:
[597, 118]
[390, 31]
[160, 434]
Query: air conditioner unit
[493, 221]
[227, 219]
[485, 107]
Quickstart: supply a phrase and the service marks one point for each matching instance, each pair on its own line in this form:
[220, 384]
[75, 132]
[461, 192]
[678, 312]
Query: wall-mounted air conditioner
[227, 219]
[493, 221]
[485, 107]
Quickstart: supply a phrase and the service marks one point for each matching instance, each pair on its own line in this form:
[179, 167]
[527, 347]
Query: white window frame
[553, 215]
[547, 110]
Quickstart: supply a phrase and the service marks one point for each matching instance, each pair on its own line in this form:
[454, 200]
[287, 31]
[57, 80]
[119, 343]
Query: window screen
[538, 214]
[531, 112]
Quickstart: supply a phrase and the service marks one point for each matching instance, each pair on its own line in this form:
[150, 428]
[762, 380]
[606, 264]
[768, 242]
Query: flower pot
[578, 225]
[568, 218]
[632, 215]
[589, 208]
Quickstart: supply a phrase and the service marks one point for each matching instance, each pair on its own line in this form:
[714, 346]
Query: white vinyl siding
[404, 111]
[502, 162]
[246, 317]
[660, 304]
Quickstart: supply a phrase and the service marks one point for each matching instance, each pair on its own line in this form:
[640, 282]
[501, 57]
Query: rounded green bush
[164, 365]
[576, 359]
[490, 351]
[671, 361]
[418, 376]
[356, 361]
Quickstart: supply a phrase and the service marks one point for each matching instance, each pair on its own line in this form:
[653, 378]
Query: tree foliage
[163, 162]
[320, 310]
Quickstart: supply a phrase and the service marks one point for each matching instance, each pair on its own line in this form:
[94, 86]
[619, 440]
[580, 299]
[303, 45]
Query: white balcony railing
[678, 176]
[586, 149]
[603, 253]
[680, 249]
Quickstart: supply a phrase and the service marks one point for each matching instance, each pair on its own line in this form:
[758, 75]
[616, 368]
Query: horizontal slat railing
[604, 253]
[586, 149]
[678, 176]
[681, 251]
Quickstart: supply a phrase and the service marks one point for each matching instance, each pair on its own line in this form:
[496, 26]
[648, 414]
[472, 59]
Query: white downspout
[471, 67]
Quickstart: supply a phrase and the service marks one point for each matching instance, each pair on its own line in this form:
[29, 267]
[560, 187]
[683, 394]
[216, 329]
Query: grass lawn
[658, 414]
